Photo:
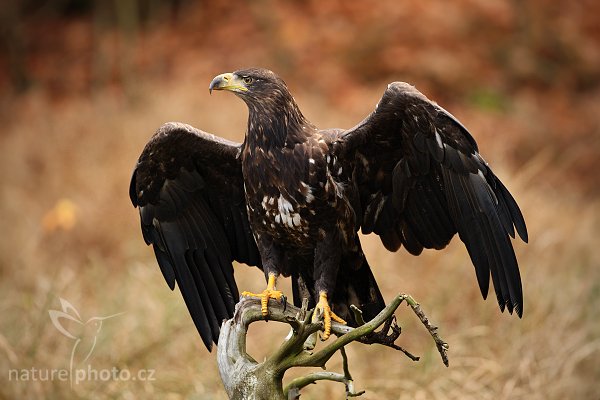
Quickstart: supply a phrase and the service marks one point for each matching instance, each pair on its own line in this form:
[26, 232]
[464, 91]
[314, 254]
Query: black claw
[284, 302]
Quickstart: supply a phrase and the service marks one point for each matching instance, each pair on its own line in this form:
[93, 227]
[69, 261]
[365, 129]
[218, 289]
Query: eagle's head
[273, 118]
[253, 85]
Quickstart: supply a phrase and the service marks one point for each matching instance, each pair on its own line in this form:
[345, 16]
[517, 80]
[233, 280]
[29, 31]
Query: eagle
[292, 199]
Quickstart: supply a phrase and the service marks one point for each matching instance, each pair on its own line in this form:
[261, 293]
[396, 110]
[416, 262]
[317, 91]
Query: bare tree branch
[441, 345]
[243, 377]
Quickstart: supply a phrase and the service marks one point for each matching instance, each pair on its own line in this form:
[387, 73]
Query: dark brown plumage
[291, 199]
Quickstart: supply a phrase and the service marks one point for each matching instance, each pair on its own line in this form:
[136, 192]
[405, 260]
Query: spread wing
[188, 187]
[421, 180]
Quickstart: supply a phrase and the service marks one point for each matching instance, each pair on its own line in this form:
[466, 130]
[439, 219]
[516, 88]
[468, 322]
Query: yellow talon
[324, 310]
[268, 293]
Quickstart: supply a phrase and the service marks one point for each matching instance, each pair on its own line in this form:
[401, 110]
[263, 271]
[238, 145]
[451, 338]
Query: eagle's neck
[276, 123]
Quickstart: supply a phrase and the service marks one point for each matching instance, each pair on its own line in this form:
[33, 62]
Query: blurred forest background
[83, 85]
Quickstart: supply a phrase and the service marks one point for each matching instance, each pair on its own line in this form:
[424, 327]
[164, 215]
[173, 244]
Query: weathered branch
[243, 377]
[319, 358]
[441, 345]
[292, 390]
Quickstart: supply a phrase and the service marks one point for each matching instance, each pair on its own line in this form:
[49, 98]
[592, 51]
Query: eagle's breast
[294, 194]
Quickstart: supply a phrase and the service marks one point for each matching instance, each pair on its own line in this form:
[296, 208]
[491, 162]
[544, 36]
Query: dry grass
[84, 150]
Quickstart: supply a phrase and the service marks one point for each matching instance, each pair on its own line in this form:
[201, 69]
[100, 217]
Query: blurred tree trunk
[125, 15]
[13, 39]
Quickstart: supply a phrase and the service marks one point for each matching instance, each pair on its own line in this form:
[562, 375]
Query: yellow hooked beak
[227, 81]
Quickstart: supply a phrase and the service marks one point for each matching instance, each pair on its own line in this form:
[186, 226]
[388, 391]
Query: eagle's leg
[324, 310]
[327, 262]
[269, 293]
[272, 259]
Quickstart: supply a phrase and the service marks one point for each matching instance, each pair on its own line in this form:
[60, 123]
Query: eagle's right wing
[189, 189]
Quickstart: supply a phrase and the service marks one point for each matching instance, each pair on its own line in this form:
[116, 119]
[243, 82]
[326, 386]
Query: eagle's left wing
[421, 180]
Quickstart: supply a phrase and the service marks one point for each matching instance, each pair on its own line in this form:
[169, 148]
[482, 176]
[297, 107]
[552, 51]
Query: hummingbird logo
[85, 334]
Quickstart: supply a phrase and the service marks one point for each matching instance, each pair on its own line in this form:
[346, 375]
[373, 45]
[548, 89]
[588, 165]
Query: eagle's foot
[269, 293]
[323, 310]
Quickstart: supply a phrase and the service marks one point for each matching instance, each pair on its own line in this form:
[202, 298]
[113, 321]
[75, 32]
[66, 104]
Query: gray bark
[245, 378]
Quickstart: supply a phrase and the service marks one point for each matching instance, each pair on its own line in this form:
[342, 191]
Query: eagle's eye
[248, 80]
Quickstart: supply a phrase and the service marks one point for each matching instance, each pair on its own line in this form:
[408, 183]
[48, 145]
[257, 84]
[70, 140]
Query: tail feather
[355, 285]
[358, 287]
